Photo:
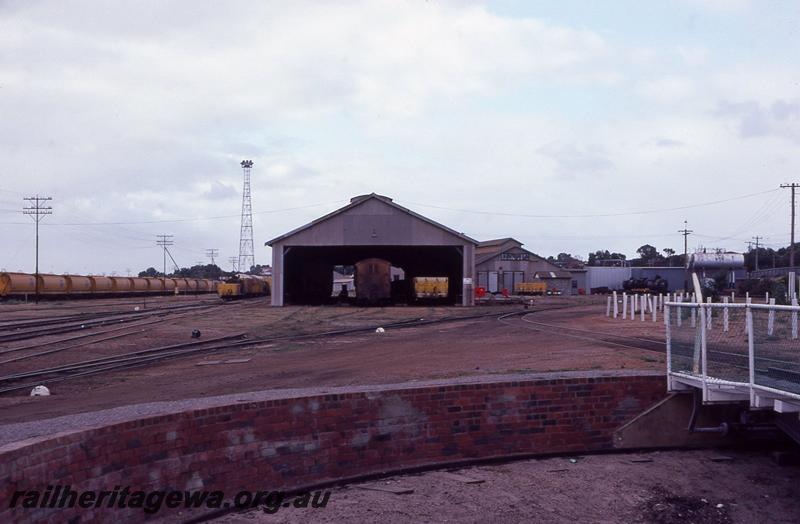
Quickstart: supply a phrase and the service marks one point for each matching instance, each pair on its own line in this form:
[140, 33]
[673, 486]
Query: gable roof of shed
[357, 201]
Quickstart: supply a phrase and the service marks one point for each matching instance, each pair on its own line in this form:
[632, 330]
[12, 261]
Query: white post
[633, 309]
[641, 310]
[733, 297]
[766, 299]
[794, 319]
[792, 284]
[708, 313]
[678, 312]
[608, 306]
[771, 318]
[747, 301]
[725, 314]
[635, 302]
[624, 306]
[747, 296]
[654, 310]
[616, 306]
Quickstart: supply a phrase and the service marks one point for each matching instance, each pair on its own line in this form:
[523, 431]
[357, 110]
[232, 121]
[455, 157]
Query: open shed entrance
[309, 272]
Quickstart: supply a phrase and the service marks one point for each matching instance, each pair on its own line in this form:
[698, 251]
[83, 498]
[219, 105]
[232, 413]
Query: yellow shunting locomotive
[244, 286]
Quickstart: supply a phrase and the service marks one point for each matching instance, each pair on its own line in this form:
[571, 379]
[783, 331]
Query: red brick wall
[287, 443]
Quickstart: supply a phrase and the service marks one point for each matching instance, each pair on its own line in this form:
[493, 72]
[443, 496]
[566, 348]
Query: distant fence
[773, 272]
[748, 345]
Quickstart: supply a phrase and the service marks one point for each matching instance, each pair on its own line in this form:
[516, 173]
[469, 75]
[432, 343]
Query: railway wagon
[431, 287]
[139, 285]
[78, 285]
[17, 284]
[102, 285]
[530, 288]
[155, 285]
[121, 285]
[373, 281]
[52, 285]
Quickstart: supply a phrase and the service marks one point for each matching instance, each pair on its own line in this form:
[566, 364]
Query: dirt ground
[452, 349]
[662, 487]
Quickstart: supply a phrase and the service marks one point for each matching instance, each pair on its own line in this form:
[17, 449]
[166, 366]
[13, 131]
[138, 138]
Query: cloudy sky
[572, 126]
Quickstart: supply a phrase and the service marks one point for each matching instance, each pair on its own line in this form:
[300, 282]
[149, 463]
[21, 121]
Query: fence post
[771, 318]
[654, 310]
[679, 311]
[704, 351]
[725, 314]
[751, 352]
[709, 313]
[616, 307]
[624, 306]
[748, 301]
[669, 342]
[608, 306]
[633, 308]
[641, 309]
[794, 318]
[733, 297]
[766, 299]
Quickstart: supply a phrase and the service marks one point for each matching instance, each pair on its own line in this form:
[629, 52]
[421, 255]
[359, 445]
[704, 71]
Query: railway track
[13, 333]
[10, 383]
[715, 356]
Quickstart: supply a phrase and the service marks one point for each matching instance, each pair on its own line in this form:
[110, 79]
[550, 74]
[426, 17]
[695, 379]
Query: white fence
[744, 347]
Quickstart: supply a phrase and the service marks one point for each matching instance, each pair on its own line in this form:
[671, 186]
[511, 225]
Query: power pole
[791, 186]
[246, 252]
[164, 241]
[211, 253]
[233, 261]
[757, 238]
[37, 211]
[685, 232]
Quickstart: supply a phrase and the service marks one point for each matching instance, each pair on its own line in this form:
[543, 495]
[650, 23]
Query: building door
[492, 284]
[519, 277]
[483, 279]
[508, 281]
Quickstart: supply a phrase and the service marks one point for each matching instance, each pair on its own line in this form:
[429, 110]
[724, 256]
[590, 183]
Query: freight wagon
[21, 285]
[373, 281]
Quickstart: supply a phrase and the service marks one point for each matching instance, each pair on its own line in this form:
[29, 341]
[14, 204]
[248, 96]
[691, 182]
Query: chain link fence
[713, 342]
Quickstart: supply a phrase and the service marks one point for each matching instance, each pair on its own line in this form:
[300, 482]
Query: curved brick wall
[292, 441]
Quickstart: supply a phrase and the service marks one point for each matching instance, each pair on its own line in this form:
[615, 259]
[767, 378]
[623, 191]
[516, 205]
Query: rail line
[148, 356]
[78, 325]
[653, 345]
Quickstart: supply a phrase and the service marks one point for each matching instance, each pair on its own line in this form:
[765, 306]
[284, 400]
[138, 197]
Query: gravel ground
[661, 487]
[439, 351]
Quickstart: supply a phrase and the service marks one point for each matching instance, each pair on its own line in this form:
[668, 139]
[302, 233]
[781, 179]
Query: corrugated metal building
[503, 262]
[370, 226]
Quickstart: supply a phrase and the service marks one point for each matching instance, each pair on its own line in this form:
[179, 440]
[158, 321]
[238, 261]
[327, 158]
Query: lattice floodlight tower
[246, 252]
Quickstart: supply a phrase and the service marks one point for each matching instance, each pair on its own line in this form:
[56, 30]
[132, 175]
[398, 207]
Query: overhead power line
[596, 215]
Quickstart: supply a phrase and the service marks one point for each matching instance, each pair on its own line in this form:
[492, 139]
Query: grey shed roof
[357, 201]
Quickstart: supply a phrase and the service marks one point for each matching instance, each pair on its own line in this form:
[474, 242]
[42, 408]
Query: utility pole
[791, 186]
[37, 211]
[164, 241]
[685, 232]
[757, 238]
[211, 253]
[233, 261]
